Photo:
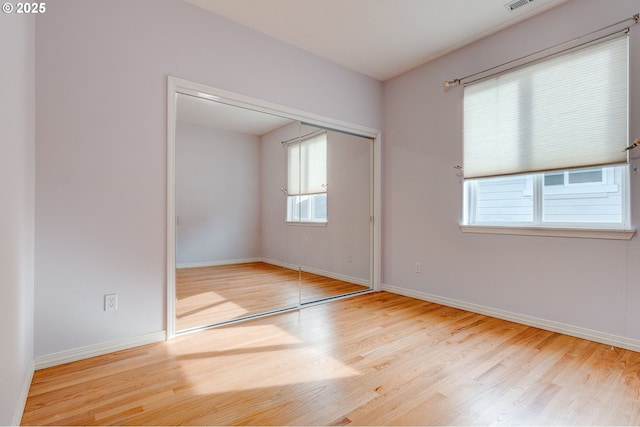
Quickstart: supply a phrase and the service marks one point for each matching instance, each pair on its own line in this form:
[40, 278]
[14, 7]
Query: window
[592, 197]
[307, 180]
[544, 144]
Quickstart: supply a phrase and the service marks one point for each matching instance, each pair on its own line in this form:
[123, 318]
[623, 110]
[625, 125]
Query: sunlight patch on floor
[289, 358]
[209, 304]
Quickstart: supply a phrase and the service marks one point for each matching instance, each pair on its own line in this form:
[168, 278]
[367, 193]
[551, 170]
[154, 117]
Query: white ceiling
[379, 38]
[204, 112]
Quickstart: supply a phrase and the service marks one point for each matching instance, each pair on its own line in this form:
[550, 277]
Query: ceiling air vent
[515, 4]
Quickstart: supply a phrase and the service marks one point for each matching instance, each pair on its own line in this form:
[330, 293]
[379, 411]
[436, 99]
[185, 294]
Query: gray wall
[17, 171]
[217, 195]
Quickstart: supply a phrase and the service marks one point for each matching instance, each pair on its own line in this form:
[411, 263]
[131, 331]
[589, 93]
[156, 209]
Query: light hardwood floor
[211, 295]
[374, 359]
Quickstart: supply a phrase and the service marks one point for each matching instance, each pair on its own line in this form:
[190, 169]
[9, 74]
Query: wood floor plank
[374, 359]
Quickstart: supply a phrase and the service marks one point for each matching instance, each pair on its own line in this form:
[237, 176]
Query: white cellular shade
[566, 112]
[307, 166]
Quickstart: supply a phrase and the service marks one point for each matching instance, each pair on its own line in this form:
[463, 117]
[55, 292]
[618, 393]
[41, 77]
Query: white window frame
[488, 157]
[537, 227]
[295, 220]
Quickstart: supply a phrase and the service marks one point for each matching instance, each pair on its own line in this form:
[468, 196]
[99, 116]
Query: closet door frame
[176, 85]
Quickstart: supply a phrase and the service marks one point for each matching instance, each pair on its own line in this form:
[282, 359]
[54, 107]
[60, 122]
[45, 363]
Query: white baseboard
[337, 276]
[76, 354]
[331, 275]
[24, 393]
[217, 262]
[280, 263]
[574, 331]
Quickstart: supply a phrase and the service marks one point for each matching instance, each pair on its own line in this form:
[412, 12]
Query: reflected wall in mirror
[335, 248]
[239, 252]
[219, 272]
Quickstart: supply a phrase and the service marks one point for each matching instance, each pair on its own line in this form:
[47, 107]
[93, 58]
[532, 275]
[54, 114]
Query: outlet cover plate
[111, 302]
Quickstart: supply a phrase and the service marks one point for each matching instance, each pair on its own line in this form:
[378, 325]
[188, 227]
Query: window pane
[580, 177]
[319, 208]
[554, 179]
[293, 213]
[595, 200]
[504, 200]
[304, 208]
[307, 208]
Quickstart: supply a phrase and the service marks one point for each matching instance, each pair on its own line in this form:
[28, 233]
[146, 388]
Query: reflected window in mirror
[307, 179]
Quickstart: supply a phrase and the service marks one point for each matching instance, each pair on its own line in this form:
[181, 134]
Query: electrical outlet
[349, 258]
[111, 302]
[418, 268]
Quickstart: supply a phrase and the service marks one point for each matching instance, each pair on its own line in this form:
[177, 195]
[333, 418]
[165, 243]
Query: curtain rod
[298, 138]
[458, 81]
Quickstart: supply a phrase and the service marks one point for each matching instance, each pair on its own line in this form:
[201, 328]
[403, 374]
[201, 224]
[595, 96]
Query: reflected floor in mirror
[217, 294]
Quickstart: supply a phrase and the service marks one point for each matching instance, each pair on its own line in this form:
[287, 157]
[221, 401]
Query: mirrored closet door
[271, 213]
[219, 183]
[334, 213]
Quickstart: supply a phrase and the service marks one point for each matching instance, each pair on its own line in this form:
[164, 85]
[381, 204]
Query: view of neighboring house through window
[544, 145]
[307, 179]
[591, 196]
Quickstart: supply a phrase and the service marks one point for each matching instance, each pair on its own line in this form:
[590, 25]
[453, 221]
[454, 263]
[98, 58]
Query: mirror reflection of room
[270, 213]
[335, 256]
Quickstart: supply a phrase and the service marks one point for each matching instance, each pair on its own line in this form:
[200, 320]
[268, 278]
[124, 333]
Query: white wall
[217, 195]
[17, 137]
[101, 147]
[591, 284]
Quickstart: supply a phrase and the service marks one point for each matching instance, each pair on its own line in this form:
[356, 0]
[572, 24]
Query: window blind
[566, 112]
[307, 166]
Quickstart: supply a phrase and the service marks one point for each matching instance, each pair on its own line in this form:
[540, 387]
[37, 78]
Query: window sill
[307, 224]
[584, 233]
